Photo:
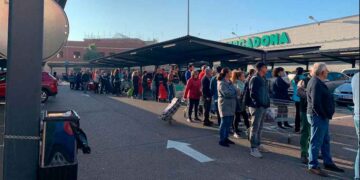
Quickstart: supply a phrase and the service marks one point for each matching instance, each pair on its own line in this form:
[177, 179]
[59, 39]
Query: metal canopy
[348, 55]
[189, 49]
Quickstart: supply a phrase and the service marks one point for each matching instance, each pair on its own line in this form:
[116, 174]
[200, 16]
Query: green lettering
[242, 42]
[249, 43]
[257, 42]
[284, 38]
[274, 39]
[265, 40]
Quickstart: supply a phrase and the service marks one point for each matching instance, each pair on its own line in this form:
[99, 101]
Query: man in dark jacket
[320, 110]
[260, 101]
[206, 93]
[214, 92]
[85, 79]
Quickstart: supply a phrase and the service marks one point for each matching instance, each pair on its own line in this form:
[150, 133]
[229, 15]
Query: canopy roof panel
[190, 49]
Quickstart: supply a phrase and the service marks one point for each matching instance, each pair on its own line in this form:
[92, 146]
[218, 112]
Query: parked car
[343, 94]
[334, 80]
[48, 86]
[350, 72]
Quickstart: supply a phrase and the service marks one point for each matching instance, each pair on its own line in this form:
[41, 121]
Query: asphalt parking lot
[130, 142]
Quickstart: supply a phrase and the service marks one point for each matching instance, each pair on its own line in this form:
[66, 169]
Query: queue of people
[235, 96]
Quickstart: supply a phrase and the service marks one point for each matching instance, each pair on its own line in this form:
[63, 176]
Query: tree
[91, 53]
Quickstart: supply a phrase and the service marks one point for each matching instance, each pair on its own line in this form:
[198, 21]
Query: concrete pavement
[129, 142]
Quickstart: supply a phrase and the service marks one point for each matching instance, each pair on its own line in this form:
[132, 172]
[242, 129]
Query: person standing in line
[305, 126]
[320, 110]
[299, 76]
[205, 84]
[112, 80]
[260, 101]
[281, 97]
[135, 83]
[78, 81]
[193, 94]
[202, 73]
[85, 79]
[72, 80]
[116, 82]
[170, 84]
[188, 72]
[355, 89]
[158, 79]
[214, 92]
[227, 105]
[102, 82]
[96, 78]
[238, 79]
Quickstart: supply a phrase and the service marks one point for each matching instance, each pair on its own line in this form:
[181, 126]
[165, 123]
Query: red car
[48, 86]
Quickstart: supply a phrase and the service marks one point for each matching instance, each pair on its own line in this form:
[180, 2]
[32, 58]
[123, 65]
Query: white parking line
[86, 95]
[350, 149]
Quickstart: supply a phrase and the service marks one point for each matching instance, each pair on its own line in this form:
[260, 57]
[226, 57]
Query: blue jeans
[319, 139]
[256, 125]
[225, 125]
[357, 162]
[171, 91]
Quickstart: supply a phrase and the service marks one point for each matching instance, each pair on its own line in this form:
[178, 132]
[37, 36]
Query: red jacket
[202, 74]
[193, 89]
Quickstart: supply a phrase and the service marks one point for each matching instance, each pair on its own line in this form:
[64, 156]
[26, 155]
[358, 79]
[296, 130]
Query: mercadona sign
[264, 41]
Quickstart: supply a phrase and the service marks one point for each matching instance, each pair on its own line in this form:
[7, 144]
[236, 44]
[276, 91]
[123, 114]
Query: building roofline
[290, 27]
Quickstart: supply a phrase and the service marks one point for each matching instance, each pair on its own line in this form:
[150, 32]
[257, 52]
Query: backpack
[247, 94]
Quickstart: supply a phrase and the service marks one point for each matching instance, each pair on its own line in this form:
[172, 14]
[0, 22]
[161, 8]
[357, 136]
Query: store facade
[335, 35]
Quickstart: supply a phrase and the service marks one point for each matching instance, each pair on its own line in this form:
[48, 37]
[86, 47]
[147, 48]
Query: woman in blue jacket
[281, 96]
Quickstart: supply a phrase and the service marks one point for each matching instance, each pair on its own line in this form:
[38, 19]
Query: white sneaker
[255, 152]
[236, 135]
[189, 120]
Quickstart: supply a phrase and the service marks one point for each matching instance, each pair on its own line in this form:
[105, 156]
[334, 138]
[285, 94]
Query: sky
[210, 19]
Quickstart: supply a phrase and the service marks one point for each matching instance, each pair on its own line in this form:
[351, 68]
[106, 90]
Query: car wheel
[44, 95]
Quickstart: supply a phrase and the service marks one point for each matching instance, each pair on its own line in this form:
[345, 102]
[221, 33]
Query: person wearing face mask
[320, 110]
[280, 90]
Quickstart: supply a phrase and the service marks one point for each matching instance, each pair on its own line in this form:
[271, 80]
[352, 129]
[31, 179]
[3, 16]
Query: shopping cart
[280, 111]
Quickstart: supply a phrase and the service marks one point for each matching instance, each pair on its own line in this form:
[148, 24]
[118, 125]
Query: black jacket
[280, 89]
[85, 77]
[205, 83]
[320, 100]
[259, 93]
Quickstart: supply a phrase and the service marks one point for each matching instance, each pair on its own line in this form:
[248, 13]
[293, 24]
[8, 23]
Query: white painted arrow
[184, 148]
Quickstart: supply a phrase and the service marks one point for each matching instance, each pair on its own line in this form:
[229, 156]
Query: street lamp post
[25, 54]
[188, 17]
[315, 20]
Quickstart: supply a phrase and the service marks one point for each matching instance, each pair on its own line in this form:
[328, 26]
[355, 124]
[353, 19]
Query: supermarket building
[338, 38]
